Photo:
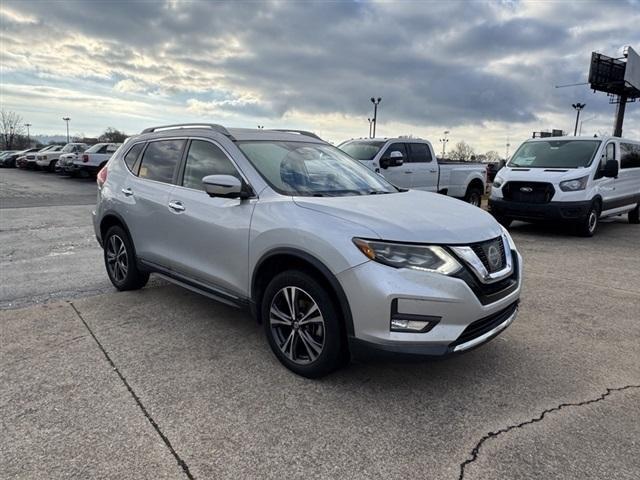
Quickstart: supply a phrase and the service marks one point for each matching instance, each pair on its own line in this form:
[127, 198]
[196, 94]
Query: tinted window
[629, 155]
[131, 157]
[395, 147]
[362, 150]
[419, 152]
[204, 159]
[160, 160]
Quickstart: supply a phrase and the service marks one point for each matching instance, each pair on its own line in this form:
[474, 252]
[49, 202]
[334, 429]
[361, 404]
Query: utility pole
[28, 136]
[376, 102]
[444, 141]
[66, 119]
[578, 107]
[370, 122]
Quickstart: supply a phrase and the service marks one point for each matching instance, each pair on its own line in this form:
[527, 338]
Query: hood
[549, 175]
[413, 216]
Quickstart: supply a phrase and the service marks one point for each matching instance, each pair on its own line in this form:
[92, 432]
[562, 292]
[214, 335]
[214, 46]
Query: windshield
[555, 154]
[362, 150]
[69, 147]
[312, 169]
[96, 147]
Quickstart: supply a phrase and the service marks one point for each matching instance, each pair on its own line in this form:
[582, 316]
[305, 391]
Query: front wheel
[588, 226]
[120, 261]
[473, 196]
[302, 324]
[634, 215]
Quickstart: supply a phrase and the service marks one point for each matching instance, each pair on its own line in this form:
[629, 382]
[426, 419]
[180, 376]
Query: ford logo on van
[526, 189]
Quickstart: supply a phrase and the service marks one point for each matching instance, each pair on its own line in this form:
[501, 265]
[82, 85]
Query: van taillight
[101, 177]
[85, 158]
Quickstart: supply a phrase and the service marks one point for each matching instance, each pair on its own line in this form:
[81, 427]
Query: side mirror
[396, 159]
[225, 186]
[610, 169]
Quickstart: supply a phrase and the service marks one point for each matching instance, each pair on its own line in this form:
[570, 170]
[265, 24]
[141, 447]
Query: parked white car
[412, 163]
[96, 157]
[570, 179]
[47, 160]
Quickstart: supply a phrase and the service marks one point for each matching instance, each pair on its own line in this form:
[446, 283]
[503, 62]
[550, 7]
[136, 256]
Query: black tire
[634, 215]
[52, 166]
[473, 196]
[305, 336]
[587, 226]
[122, 269]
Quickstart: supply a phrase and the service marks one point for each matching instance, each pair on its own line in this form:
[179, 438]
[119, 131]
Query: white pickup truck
[411, 163]
[47, 160]
[92, 160]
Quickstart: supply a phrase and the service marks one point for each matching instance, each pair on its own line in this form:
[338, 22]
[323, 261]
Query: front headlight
[507, 236]
[574, 185]
[498, 181]
[430, 258]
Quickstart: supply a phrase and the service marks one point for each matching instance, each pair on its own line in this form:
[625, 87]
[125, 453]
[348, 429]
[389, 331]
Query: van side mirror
[610, 169]
[225, 186]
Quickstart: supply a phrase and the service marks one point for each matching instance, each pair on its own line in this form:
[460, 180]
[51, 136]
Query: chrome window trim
[471, 259]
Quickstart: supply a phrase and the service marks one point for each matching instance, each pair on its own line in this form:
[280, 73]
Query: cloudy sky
[486, 71]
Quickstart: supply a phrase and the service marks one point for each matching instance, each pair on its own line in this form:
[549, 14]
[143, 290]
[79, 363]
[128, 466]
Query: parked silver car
[328, 255]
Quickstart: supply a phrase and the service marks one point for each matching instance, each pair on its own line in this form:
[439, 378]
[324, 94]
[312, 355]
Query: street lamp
[376, 102]
[261, 127]
[66, 119]
[28, 136]
[370, 122]
[444, 141]
[578, 107]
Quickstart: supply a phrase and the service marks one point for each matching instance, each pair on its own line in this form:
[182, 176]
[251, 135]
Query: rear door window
[205, 158]
[419, 152]
[160, 160]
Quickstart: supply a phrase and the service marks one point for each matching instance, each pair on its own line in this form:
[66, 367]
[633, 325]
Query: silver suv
[334, 260]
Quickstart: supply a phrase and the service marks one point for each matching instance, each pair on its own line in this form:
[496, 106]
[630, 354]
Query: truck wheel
[302, 324]
[634, 215]
[588, 225]
[52, 166]
[504, 221]
[473, 196]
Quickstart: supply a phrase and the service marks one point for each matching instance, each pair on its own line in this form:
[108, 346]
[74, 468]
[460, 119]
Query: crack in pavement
[181, 462]
[475, 452]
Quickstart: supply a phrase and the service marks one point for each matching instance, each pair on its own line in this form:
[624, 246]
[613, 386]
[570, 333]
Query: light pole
[444, 140]
[506, 153]
[370, 122]
[28, 136]
[578, 107]
[376, 102]
[260, 127]
[66, 119]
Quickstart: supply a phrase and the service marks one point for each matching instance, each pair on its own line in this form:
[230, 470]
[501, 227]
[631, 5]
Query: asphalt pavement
[163, 383]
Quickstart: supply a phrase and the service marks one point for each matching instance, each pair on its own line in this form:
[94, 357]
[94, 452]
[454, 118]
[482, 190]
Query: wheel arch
[281, 259]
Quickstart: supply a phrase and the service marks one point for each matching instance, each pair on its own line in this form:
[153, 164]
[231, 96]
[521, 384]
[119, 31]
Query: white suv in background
[47, 160]
[328, 255]
[570, 179]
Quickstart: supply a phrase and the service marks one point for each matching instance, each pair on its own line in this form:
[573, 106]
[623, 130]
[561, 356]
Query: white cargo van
[572, 179]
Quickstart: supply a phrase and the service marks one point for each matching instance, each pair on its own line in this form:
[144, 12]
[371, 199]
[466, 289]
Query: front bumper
[456, 306]
[539, 211]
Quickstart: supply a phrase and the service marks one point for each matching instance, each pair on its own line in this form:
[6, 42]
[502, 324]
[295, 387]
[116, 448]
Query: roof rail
[301, 132]
[213, 126]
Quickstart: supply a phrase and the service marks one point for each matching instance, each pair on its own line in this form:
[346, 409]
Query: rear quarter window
[629, 155]
[131, 157]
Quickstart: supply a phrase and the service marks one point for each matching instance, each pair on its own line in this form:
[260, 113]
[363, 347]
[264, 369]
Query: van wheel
[473, 196]
[120, 261]
[634, 215]
[302, 324]
[588, 226]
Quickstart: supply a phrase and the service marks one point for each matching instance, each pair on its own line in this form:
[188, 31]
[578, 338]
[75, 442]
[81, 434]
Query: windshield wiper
[378, 192]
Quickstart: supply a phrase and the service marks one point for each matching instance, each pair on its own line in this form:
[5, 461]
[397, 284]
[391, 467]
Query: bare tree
[492, 156]
[11, 128]
[462, 152]
[113, 135]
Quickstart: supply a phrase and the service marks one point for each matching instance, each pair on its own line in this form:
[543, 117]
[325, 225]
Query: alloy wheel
[117, 260]
[297, 325]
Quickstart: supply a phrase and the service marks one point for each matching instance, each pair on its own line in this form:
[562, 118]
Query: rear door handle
[127, 191]
[176, 205]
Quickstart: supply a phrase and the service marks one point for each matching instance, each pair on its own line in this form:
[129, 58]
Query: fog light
[416, 326]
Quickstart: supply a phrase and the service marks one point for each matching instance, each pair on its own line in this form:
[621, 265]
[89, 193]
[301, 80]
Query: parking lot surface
[163, 383]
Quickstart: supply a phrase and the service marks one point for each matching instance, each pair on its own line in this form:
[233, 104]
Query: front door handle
[408, 171]
[176, 205]
[127, 191]
[433, 171]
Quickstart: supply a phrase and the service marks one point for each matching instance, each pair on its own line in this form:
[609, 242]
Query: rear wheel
[634, 215]
[120, 261]
[302, 324]
[588, 226]
[473, 195]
